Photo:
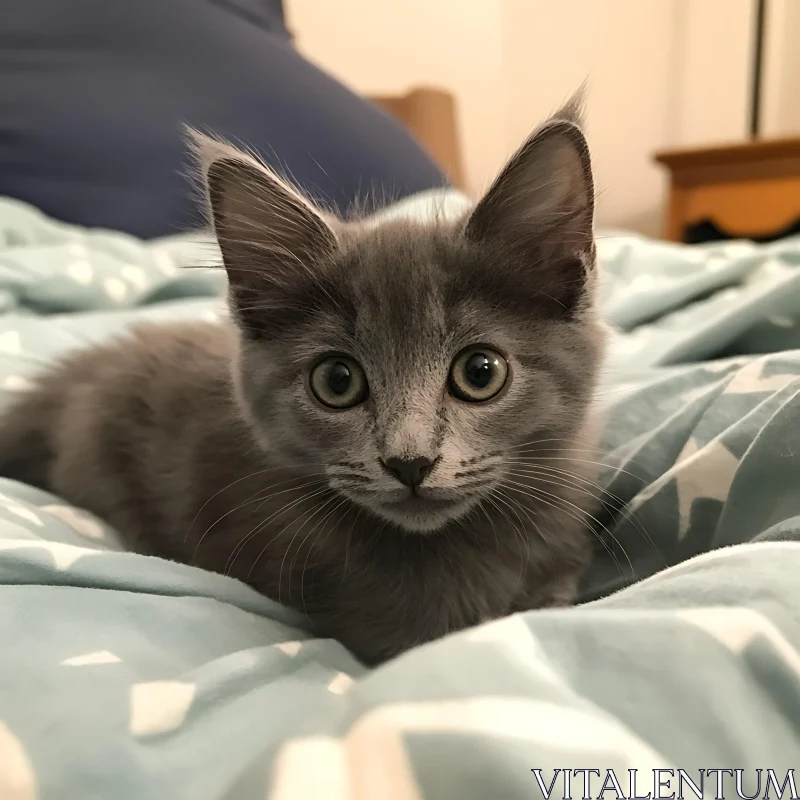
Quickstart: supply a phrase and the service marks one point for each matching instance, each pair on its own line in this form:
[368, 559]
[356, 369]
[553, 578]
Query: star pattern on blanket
[10, 343]
[96, 658]
[748, 379]
[378, 736]
[64, 555]
[751, 379]
[26, 514]
[699, 472]
[17, 777]
[79, 522]
[81, 272]
[725, 364]
[17, 383]
[159, 706]
[705, 472]
[135, 276]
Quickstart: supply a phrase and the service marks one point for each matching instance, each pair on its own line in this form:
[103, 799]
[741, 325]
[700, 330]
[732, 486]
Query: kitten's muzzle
[410, 472]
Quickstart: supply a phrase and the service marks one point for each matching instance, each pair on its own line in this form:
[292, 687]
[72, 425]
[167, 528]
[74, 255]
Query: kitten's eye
[478, 374]
[339, 382]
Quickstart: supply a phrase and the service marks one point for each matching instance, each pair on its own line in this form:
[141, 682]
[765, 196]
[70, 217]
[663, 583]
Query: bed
[124, 676]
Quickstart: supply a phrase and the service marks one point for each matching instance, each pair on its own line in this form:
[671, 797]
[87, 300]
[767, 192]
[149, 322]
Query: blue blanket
[124, 676]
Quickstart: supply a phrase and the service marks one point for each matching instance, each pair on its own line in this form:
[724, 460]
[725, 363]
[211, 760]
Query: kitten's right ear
[541, 209]
[268, 233]
[545, 192]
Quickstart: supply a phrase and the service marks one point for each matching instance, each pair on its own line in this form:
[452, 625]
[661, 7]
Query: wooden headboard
[430, 115]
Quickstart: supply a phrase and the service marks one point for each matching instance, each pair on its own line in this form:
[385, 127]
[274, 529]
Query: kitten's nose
[410, 472]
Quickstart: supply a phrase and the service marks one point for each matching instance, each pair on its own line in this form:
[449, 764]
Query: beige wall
[662, 73]
[781, 102]
[381, 46]
[625, 49]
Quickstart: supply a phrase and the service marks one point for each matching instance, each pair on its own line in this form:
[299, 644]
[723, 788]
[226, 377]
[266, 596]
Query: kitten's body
[203, 443]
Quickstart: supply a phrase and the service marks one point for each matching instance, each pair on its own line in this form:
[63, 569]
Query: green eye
[339, 382]
[478, 374]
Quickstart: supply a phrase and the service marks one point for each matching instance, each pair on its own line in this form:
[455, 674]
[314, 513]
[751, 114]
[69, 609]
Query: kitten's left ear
[541, 207]
[269, 234]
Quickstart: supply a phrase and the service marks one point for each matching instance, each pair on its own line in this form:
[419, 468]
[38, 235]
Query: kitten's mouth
[419, 512]
[418, 501]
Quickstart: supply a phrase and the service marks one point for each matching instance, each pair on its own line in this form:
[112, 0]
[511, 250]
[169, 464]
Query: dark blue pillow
[93, 94]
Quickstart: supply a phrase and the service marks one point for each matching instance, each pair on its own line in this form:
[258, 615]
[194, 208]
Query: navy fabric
[93, 94]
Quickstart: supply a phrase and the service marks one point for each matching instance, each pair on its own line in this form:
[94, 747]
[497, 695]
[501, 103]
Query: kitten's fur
[202, 442]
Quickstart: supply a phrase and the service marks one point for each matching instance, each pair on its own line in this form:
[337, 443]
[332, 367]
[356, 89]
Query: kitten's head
[405, 361]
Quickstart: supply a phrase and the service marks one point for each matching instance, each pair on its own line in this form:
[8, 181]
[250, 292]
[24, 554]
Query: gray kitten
[384, 436]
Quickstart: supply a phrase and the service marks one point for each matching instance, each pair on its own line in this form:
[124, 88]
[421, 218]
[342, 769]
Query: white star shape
[64, 555]
[159, 706]
[749, 379]
[697, 472]
[702, 472]
[92, 659]
[10, 343]
[17, 777]
[725, 364]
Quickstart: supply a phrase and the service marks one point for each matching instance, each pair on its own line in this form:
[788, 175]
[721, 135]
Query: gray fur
[202, 443]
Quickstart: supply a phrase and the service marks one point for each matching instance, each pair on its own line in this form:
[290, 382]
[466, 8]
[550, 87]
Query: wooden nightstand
[749, 191]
